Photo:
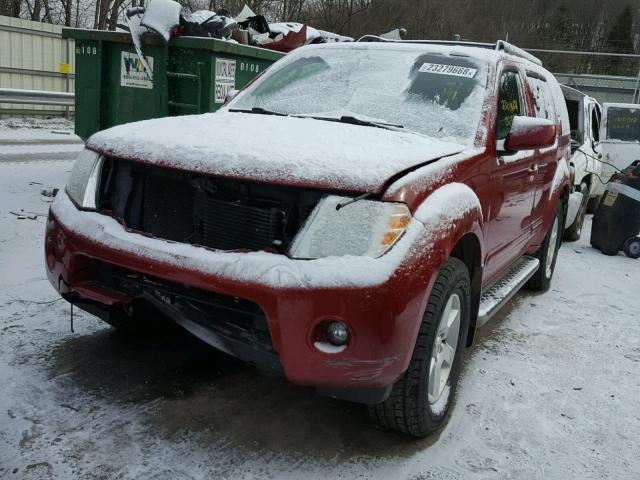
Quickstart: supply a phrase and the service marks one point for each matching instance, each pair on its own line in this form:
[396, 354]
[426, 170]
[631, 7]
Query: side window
[595, 123]
[543, 98]
[509, 103]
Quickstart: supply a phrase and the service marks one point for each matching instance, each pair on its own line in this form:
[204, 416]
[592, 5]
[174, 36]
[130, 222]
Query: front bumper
[381, 300]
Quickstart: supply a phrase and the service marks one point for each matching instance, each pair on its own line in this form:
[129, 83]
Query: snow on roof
[477, 50]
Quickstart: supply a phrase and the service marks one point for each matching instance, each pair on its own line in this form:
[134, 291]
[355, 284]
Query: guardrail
[36, 97]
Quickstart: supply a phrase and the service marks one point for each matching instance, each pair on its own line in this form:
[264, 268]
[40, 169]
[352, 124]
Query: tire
[573, 233]
[631, 247]
[414, 407]
[593, 203]
[548, 253]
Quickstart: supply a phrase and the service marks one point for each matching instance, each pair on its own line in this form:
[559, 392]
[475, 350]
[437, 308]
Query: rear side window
[543, 99]
[623, 124]
[509, 103]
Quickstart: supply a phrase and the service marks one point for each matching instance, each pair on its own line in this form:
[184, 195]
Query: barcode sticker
[454, 70]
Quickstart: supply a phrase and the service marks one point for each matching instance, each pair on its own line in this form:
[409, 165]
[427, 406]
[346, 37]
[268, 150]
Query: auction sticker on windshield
[454, 70]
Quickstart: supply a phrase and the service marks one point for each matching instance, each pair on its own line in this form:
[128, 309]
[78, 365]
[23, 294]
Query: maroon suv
[348, 220]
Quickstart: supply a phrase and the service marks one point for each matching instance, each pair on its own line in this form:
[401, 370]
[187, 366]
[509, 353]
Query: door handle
[534, 169]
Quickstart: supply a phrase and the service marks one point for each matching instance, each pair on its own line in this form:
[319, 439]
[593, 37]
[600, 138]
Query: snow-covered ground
[551, 390]
[24, 139]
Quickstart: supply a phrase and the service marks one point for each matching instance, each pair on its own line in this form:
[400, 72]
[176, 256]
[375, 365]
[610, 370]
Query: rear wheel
[548, 253]
[419, 401]
[631, 247]
[575, 230]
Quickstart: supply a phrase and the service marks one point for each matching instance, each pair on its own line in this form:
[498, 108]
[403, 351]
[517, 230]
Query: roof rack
[516, 51]
[500, 45]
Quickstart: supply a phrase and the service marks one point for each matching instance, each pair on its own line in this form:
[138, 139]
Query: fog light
[337, 333]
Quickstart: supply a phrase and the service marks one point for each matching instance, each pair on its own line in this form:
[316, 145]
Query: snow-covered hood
[274, 149]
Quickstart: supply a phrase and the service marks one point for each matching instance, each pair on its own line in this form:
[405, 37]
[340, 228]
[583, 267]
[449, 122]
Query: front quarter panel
[448, 214]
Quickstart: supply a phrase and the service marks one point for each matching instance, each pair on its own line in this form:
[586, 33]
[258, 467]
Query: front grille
[232, 225]
[214, 212]
[167, 209]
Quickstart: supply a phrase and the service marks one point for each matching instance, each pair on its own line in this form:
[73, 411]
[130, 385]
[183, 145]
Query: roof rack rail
[506, 47]
[500, 45]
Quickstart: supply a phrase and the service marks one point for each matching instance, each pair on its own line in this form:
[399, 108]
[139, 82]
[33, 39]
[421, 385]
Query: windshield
[436, 94]
[623, 124]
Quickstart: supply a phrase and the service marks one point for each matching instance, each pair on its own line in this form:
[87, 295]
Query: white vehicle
[584, 120]
[620, 139]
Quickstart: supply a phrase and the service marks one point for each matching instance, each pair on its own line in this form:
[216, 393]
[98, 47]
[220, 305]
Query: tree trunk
[37, 8]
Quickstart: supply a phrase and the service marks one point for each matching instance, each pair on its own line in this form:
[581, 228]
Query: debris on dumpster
[205, 23]
[397, 34]
[162, 17]
[312, 35]
[285, 42]
[134, 17]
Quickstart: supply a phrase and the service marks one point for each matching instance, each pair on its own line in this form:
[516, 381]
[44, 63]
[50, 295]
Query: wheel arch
[468, 249]
[560, 191]
[452, 216]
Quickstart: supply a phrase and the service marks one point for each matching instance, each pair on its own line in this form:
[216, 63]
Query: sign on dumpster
[225, 78]
[133, 73]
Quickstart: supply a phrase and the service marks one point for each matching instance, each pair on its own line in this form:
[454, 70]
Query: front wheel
[419, 401]
[548, 253]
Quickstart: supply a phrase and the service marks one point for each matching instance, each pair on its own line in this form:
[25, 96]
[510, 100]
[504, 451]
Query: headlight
[82, 185]
[365, 227]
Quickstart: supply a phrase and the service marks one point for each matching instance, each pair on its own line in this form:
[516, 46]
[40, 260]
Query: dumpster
[190, 75]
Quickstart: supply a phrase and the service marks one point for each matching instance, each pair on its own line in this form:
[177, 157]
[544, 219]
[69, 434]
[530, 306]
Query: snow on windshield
[438, 93]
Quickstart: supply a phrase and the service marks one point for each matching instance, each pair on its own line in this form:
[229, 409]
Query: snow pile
[54, 125]
[200, 16]
[276, 149]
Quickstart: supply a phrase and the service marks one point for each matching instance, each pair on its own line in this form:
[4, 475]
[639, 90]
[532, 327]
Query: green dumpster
[190, 75]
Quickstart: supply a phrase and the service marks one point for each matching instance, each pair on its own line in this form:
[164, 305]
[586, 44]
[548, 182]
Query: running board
[500, 292]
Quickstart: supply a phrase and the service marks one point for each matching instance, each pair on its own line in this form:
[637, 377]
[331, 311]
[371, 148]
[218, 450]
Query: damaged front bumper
[263, 308]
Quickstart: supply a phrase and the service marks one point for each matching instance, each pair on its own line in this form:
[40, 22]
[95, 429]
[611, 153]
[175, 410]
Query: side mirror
[528, 133]
[230, 95]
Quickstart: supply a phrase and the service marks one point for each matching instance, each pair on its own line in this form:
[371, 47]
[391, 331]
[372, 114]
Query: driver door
[513, 182]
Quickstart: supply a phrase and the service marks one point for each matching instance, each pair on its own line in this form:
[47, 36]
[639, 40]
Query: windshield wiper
[259, 111]
[356, 121]
[353, 200]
